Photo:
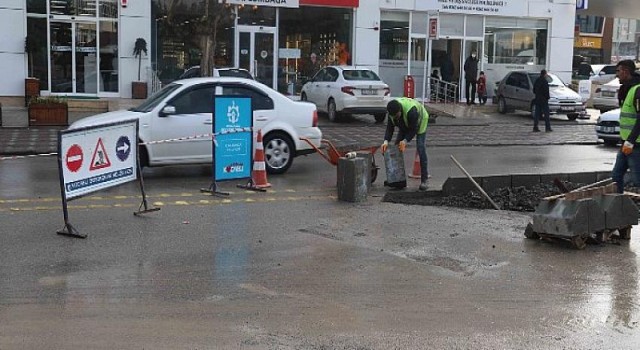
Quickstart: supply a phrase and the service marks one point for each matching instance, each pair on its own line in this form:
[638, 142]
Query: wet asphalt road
[296, 269]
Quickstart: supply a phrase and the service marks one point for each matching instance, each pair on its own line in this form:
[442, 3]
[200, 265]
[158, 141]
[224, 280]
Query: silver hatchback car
[515, 91]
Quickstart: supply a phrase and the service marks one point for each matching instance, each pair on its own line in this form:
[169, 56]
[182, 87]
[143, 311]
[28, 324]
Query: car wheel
[278, 152]
[610, 142]
[331, 111]
[502, 105]
[572, 116]
[379, 117]
[303, 97]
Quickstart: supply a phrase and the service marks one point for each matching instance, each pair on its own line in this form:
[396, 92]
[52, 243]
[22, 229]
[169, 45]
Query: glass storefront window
[108, 8]
[418, 49]
[257, 16]
[394, 37]
[108, 33]
[320, 43]
[38, 48]
[176, 44]
[73, 7]
[37, 6]
[516, 46]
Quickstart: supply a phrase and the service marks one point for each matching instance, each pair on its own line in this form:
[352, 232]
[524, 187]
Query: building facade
[85, 47]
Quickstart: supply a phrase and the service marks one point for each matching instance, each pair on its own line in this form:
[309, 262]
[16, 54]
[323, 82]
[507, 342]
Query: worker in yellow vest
[629, 155]
[411, 118]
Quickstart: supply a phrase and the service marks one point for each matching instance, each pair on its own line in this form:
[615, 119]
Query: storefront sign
[588, 42]
[289, 53]
[331, 3]
[476, 7]
[272, 3]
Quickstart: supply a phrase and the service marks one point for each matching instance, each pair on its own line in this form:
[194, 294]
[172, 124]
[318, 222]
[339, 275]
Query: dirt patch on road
[514, 199]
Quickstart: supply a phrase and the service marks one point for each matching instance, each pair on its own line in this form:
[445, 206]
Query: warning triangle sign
[100, 159]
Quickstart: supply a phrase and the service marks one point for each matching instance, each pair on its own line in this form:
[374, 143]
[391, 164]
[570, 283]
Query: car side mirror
[601, 73]
[167, 110]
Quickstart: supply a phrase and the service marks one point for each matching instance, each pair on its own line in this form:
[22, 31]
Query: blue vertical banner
[233, 142]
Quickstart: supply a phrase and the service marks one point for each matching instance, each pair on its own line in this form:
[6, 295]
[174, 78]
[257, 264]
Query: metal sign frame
[118, 177]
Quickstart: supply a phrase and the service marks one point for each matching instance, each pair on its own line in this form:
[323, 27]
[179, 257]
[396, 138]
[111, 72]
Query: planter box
[139, 89]
[48, 114]
[31, 89]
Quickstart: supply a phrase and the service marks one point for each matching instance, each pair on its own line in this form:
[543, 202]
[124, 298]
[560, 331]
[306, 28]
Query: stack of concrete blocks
[619, 211]
[586, 216]
[568, 218]
[354, 179]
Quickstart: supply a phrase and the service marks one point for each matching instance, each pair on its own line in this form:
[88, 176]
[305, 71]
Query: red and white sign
[100, 159]
[433, 28]
[74, 158]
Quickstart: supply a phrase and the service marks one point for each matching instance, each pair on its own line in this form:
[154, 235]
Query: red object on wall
[123, 3]
[409, 86]
[337, 3]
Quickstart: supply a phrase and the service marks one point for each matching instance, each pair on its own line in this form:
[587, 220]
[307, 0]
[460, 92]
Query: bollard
[353, 179]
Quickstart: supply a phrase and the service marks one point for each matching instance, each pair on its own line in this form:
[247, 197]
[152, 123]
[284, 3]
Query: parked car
[194, 72]
[605, 96]
[515, 91]
[602, 73]
[339, 90]
[183, 109]
[608, 127]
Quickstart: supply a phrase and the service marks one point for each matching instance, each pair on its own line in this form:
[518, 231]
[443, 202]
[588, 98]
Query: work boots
[423, 185]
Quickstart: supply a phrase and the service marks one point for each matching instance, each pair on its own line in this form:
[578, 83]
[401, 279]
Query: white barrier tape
[213, 135]
[29, 156]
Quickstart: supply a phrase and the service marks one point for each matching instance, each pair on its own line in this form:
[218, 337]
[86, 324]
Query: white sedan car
[339, 90]
[183, 109]
[605, 96]
[608, 127]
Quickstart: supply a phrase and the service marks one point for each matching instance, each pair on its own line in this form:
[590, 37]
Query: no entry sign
[74, 158]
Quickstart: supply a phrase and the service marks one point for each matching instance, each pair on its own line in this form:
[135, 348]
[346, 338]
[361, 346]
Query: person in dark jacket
[541, 102]
[630, 81]
[470, 76]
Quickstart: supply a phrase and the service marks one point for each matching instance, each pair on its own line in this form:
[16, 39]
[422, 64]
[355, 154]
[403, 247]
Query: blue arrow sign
[123, 148]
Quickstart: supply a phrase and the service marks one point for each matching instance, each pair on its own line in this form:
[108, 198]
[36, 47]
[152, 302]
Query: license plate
[608, 129]
[369, 92]
[568, 109]
[608, 94]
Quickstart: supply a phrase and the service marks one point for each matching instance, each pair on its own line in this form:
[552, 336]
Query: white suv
[602, 74]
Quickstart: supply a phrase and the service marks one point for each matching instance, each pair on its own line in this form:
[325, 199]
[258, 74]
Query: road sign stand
[144, 195]
[232, 115]
[78, 180]
[213, 190]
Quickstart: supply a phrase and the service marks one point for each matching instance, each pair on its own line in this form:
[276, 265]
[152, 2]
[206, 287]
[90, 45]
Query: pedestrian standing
[541, 102]
[628, 156]
[470, 76]
[482, 88]
[411, 118]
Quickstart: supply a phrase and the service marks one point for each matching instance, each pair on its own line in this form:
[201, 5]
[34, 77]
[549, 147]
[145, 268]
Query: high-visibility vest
[628, 114]
[407, 104]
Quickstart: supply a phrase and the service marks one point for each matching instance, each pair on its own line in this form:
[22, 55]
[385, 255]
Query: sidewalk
[473, 125]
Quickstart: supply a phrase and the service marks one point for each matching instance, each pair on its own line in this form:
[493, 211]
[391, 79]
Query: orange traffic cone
[259, 174]
[415, 173]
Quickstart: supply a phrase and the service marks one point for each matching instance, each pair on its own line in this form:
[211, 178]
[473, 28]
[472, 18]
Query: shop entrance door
[74, 66]
[256, 53]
